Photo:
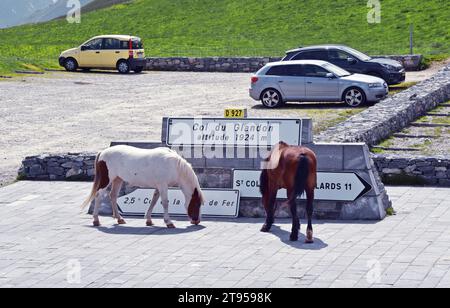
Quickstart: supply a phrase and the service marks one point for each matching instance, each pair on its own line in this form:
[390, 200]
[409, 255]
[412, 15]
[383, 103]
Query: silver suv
[314, 80]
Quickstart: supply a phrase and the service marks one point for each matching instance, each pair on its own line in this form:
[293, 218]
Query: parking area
[73, 112]
[411, 249]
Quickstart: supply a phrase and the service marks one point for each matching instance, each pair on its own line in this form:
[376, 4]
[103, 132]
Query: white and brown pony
[159, 168]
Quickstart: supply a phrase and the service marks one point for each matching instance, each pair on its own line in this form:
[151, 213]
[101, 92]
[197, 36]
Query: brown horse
[295, 169]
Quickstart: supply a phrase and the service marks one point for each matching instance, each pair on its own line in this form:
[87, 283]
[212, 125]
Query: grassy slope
[235, 27]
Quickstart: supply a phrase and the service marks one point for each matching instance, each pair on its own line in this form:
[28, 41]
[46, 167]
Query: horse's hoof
[149, 223]
[265, 229]
[195, 222]
[293, 238]
[309, 237]
[96, 223]
[121, 221]
[171, 226]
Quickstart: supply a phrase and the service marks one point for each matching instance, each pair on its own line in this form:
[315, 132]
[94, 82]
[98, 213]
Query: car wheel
[123, 67]
[138, 69]
[70, 65]
[354, 97]
[271, 98]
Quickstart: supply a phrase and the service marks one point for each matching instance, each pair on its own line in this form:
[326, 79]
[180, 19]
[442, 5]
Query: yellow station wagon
[122, 52]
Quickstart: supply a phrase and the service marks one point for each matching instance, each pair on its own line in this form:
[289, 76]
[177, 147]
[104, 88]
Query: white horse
[160, 168]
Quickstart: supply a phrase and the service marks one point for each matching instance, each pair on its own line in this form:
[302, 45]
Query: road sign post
[348, 185]
[218, 203]
[331, 186]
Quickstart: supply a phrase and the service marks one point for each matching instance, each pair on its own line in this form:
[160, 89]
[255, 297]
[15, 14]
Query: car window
[311, 55]
[110, 43]
[277, 71]
[338, 55]
[137, 44]
[294, 70]
[94, 44]
[314, 71]
[286, 70]
[124, 44]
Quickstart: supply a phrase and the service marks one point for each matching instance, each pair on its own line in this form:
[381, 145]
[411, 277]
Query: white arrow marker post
[331, 186]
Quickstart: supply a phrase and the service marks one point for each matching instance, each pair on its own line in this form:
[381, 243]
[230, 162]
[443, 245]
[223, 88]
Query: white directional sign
[233, 132]
[219, 203]
[331, 186]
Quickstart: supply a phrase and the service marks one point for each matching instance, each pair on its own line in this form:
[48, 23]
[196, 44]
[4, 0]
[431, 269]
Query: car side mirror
[330, 76]
[83, 48]
[351, 60]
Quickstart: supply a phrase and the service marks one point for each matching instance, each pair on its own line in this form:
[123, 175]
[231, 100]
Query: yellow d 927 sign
[234, 113]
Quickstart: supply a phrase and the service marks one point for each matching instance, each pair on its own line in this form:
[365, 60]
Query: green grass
[324, 116]
[433, 58]
[434, 120]
[401, 87]
[387, 143]
[237, 28]
[21, 177]
[390, 211]
[333, 117]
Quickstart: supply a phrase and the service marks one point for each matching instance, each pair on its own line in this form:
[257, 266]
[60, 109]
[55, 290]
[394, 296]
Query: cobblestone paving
[45, 237]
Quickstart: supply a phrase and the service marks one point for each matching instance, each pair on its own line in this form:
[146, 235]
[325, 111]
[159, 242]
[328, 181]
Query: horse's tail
[301, 175]
[101, 179]
[263, 181]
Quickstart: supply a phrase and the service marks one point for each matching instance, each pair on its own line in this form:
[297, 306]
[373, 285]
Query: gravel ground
[74, 112]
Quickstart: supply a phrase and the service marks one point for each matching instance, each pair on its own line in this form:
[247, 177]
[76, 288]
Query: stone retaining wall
[409, 62]
[422, 170]
[217, 173]
[392, 114]
[211, 64]
[242, 64]
[63, 167]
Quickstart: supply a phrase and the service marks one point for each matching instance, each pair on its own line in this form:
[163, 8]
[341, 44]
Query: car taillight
[130, 52]
[255, 79]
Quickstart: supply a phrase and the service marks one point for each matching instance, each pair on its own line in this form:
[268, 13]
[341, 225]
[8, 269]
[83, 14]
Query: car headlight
[388, 67]
[375, 85]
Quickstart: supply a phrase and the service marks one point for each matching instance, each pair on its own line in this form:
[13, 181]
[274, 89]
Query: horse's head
[194, 207]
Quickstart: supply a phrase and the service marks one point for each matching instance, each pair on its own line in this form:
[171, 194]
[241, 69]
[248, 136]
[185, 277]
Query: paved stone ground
[44, 235]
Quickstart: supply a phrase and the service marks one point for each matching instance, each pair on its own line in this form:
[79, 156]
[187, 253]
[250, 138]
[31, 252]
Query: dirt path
[425, 74]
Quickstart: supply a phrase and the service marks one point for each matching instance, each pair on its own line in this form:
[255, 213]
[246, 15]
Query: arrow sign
[331, 186]
[218, 203]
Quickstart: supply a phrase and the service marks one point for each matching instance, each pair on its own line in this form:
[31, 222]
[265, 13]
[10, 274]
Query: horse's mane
[273, 160]
[188, 174]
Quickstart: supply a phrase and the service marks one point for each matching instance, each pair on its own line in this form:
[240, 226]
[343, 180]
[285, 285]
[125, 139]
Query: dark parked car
[351, 60]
